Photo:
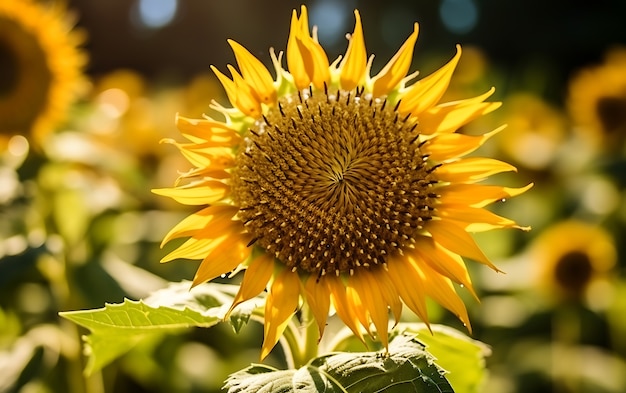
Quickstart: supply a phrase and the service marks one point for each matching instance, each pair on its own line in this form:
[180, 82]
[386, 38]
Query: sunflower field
[316, 196]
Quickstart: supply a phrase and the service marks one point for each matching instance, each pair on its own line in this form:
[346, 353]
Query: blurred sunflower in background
[597, 102]
[338, 187]
[40, 68]
[572, 258]
[535, 131]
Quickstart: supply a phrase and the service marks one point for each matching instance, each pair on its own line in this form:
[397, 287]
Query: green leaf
[462, 357]
[406, 368]
[116, 328]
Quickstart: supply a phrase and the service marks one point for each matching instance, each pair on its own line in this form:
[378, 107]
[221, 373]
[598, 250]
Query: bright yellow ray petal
[295, 58]
[426, 92]
[196, 159]
[205, 172]
[254, 73]
[199, 130]
[228, 84]
[255, 278]
[354, 62]
[204, 192]
[389, 292]
[280, 305]
[223, 259]
[318, 298]
[444, 147]
[213, 215]
[372, 302]
[316, 62]
[444, 262]
[396, 69]
[450, 116]
[409, 285]
[345, 310]
[477, 195]
[203, 155]
[455, 239]
[442, 290]
[355, 303]
[475, 215]
[320, 73]
[193, 248]
[246, 99]
[472, 169]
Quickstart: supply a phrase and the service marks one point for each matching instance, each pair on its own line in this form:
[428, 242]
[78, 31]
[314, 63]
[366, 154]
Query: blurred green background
[79, 226]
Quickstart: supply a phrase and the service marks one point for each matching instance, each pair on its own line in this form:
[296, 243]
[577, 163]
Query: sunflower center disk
[333, 182]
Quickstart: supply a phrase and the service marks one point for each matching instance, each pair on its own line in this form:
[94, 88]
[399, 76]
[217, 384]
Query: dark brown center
[330, 182]
[574, 271]
[25, 77]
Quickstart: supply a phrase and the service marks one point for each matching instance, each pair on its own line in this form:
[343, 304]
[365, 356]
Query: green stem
[291, 345]
[301, 340]
[311, 335]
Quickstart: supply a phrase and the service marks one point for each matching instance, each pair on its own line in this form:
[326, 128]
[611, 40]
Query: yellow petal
[217, 156]
[475, 215]
[444, 262]
[193, 248]
[239, 93]
[295, 59]
[426, 92]
[409, 285]
[254, 280]
[472, 169]
[206, 172]
[477, 195]
[254, 73]
[318, 298]
[247, 101]
[354, 62]
[389, 292]
[195, 158]
[224, 258]
[215, 216]
[444, 147]
[449, 117]
[442, 290]
[357, 307]
[457, 240]
[280, 305]
[344, 308]
[229, 85]
[200, 193]
[396, 69]
[365, 286]
[201, 130]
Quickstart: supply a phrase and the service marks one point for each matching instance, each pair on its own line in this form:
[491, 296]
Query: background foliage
[79, 227]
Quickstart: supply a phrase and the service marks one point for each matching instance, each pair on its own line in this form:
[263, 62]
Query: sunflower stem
[291, 345]
[301, 339]
[311, 335]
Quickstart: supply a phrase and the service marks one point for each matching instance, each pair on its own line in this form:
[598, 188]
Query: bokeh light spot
[155, 14]
[114, 102]
[331, 19]
[458, 16]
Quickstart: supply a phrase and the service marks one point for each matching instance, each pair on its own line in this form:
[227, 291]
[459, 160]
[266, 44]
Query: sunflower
[597, 101]
[40, 67]
[570, 257]
[332, 186]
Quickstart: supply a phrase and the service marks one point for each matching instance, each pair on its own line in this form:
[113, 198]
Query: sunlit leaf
[461, 357]
[406, 368]
[116, 328]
